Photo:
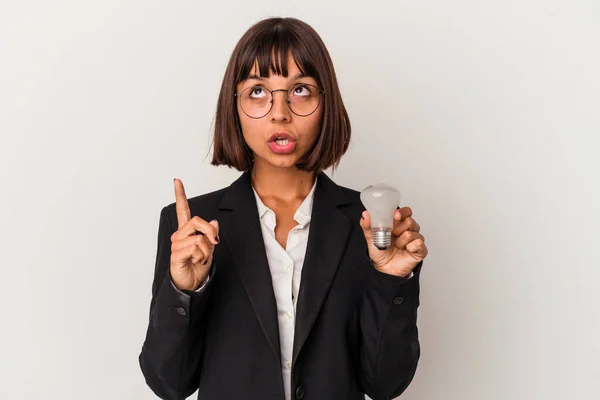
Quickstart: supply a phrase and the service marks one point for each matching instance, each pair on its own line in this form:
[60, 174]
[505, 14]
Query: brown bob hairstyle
[267, 44]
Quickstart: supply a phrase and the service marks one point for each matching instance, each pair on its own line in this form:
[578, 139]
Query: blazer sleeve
[172, 350]
[389, 342]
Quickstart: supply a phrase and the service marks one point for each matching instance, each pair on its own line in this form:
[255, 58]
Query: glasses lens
[303, 99]
[256, 101]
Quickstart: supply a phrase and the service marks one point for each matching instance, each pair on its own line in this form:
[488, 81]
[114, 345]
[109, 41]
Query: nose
[280, 110]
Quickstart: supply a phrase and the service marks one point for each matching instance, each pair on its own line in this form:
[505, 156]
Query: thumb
[365, 224]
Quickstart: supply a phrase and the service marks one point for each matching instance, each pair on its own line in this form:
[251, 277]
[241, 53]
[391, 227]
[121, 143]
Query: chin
[285, 161]
[286, 164]
[279, 160]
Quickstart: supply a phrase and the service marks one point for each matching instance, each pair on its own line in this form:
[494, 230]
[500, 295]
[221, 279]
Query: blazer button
[300, 392]
[398, 300]
[181, 311]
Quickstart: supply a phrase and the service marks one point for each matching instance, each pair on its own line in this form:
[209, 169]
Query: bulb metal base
[382, 238]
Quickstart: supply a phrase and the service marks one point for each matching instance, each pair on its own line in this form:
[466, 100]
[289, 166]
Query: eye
[256, 92]
[301, 90]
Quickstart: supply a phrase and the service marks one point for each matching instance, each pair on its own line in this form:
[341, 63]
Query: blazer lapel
[328, 235]
[242, 233]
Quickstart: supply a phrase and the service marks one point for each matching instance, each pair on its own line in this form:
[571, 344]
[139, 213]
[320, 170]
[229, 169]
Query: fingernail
[217, 238]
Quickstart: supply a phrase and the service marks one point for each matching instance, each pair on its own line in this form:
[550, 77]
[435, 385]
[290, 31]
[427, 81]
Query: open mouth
[282, 145]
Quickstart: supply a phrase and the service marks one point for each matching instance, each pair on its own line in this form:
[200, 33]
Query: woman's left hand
[407, 249]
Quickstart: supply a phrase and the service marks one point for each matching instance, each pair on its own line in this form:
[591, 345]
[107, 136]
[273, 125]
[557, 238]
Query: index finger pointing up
[181, 204]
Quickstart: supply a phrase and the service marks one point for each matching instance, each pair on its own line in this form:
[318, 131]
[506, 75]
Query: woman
[272, 288]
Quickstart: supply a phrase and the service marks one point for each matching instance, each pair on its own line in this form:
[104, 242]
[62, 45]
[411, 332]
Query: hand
[407, 249]
[192, 245]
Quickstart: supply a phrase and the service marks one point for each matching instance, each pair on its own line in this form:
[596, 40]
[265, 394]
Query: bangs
[269, 51]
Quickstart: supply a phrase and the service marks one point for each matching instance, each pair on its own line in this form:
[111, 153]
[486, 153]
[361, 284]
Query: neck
[284, 184]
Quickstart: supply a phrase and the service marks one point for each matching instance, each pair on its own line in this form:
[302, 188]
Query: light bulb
[381, 201]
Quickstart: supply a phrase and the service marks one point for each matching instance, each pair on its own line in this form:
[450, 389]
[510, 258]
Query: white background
[485, 114]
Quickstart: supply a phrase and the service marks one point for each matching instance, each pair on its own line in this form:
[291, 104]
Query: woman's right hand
[192, 245]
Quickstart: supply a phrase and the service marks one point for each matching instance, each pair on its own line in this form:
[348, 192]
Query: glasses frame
[287, 93]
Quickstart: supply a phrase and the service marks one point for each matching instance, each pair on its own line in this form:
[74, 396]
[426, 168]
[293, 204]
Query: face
[301, 131]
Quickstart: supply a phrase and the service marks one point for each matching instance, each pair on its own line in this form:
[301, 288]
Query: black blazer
[355, 331]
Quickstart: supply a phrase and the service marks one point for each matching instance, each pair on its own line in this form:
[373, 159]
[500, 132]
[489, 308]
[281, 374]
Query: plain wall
[485, 114]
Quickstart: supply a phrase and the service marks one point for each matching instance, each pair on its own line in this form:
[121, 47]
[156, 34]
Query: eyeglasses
[302, 99]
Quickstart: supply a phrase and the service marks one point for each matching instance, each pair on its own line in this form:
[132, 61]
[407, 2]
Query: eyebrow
[260, 78]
